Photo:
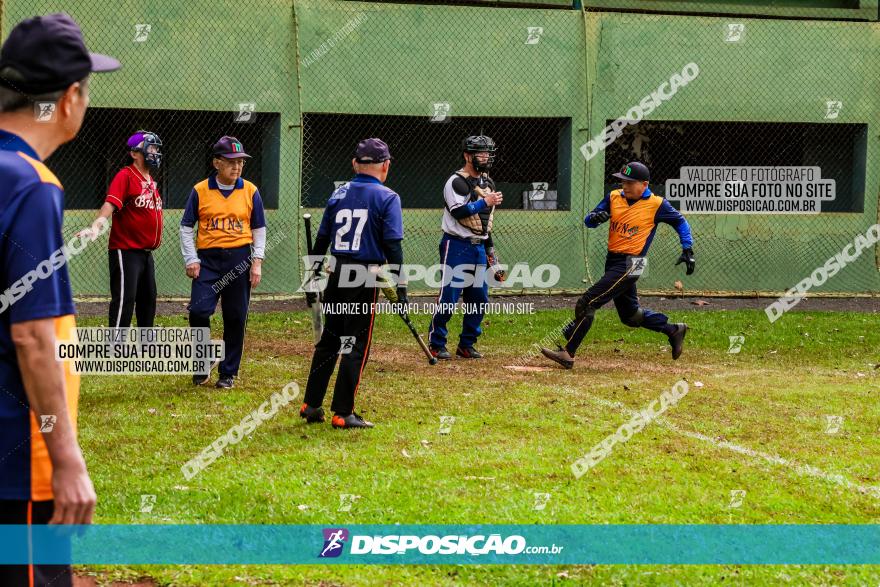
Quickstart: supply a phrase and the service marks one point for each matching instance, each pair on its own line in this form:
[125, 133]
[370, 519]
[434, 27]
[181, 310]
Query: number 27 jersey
[360, 217]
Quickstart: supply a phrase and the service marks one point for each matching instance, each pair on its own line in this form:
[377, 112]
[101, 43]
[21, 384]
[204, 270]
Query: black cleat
[440, 352]
[201, 379]
[561, 356]
[225, 382]
[468, 353]
[676, 339]
[311, 415]
[350, 421]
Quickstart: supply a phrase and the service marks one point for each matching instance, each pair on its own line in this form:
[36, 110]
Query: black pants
[21, 512]
[132, 287]
[618, 284]
[224, 275]
[354, 329]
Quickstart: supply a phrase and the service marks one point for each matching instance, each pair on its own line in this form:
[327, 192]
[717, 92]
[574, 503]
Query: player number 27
[345, 217]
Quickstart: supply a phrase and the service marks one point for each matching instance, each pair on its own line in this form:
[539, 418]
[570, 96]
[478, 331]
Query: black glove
[687, 257]
[599, 217]
[401, 295]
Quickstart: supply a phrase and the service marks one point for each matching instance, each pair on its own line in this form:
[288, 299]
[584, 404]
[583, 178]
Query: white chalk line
[799, 468]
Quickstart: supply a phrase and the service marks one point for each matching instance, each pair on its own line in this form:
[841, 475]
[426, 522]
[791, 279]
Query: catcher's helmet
[480, 144]
[141, 141]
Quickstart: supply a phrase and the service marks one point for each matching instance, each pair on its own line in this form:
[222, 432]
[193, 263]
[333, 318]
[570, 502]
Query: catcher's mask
[141, 142]
[480, 144]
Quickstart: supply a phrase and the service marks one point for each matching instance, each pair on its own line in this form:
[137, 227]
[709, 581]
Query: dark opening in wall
[87, 164]
[840, 150]
[530, 150]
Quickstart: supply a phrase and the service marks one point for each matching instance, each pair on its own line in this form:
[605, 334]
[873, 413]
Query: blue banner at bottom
[440, 544]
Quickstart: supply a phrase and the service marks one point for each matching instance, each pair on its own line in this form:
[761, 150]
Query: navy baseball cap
[633, 171]
[45, 54]
[372, 151]
[229, 148]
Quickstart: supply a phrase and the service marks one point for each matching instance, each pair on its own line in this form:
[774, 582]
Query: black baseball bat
[312, 300]
[391, 295]
[432, 360]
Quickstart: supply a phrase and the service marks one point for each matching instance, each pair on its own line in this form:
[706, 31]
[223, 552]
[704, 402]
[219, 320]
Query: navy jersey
[34, 285]
[360, 216]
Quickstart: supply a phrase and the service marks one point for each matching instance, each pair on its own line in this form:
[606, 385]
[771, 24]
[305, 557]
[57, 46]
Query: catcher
[469, 199]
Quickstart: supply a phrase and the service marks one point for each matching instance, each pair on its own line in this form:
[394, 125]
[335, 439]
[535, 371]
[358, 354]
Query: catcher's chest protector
[481, 223]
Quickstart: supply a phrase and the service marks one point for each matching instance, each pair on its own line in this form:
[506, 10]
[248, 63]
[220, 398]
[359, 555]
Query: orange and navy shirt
[225, 218]
[31, 213]
[633, 224]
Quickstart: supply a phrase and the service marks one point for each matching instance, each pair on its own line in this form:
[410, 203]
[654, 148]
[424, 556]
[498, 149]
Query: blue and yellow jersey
[225, 218]
[633, 224]
[31, 212]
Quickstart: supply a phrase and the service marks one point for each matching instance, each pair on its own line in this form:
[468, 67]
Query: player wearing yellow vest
[634, 212]
[223, 241]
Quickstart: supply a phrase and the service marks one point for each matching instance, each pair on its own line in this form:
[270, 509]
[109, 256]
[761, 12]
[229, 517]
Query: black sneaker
[561, 356]
[676, 339]
[468, 353]
[440, 352]
[350, 421]
[225, 382]
[201, 379]
[311, 415]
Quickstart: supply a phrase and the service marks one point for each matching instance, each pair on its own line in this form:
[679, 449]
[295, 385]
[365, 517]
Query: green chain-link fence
[789, 83]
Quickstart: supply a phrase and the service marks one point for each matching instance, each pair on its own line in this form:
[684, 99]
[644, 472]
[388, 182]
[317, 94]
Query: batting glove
[687, 257]
[599, 217]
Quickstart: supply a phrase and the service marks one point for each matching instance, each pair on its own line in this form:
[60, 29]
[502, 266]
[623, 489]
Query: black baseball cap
[372, 151]
[47, 53]
[633, 171]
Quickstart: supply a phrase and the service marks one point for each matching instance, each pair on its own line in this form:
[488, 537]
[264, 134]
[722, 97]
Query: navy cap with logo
[634, 171]
[372, 151]
[45, 54]
[229, 148]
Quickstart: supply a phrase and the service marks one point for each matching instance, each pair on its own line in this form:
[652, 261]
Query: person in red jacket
[134, 202]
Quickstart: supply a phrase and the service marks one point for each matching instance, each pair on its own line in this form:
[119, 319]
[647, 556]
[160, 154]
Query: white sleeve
[453, 198]
[188, 245]
[259, 246]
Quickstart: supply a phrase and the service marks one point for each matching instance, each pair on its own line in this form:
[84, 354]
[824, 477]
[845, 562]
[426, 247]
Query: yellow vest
[224, 223]
[631, 225]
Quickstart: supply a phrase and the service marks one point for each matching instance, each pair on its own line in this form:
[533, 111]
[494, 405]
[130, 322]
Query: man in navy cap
[363, 227]
[634, 212]
[223, 241]
[44, 70]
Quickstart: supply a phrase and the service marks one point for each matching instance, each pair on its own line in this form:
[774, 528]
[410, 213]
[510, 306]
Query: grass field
[515, 434]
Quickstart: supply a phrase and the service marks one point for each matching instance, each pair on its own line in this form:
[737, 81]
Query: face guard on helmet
[149, 146]
[480, 144]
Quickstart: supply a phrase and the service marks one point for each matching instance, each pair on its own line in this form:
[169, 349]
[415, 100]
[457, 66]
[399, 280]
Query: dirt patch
[91, 581]
[869, 305]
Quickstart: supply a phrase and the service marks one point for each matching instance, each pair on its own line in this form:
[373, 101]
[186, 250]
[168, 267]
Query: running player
[634, 212]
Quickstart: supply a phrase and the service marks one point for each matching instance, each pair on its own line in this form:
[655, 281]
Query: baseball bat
[312, 299]
[391, 295]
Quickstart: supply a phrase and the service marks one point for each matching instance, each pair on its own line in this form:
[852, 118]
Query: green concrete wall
[588, 66]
